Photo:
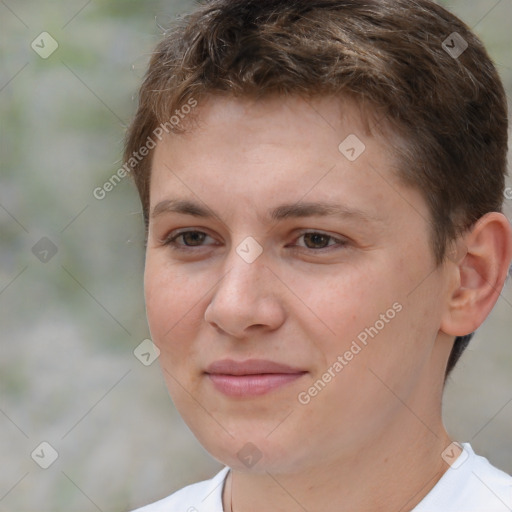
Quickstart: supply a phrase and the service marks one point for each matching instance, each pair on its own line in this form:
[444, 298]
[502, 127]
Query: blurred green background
[70, 321]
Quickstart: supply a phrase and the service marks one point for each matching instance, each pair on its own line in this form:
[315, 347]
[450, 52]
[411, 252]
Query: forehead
[319, 113]
[299, 128]
[254, 152]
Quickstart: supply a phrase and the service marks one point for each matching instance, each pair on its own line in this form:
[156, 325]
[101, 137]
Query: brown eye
[316, 240]
[193, 237]
[189, 238]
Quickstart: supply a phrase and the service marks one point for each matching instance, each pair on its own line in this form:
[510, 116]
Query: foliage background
[69, 326]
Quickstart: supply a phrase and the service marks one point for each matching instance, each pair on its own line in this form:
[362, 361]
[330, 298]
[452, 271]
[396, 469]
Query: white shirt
[471, 484]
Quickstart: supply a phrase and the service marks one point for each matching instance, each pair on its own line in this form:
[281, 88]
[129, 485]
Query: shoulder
[205, 496]
[472, 484]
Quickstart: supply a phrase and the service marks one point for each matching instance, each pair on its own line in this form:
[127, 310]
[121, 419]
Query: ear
[480, 274]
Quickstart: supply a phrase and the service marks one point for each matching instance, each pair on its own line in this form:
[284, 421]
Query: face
[289, 281]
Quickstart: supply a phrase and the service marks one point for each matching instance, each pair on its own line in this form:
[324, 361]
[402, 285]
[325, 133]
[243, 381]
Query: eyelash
[170, 241]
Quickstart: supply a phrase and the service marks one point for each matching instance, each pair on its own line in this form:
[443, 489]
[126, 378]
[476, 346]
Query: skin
[372, 438]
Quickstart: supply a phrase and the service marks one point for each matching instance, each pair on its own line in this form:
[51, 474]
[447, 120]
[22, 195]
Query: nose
[246, 299]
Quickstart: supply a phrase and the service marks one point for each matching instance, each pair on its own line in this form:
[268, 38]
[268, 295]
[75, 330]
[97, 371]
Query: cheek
[336, 305]
[172, 304]
[369, 313]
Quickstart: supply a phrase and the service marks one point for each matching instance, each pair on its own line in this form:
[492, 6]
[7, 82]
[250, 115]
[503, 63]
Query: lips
[250, 377]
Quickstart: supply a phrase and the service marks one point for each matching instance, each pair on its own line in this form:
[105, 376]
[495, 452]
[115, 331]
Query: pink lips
[250, 377]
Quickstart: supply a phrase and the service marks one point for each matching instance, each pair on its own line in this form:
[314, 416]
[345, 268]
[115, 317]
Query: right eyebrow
[181, 206]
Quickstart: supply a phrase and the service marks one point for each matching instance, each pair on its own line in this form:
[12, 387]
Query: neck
[390, 473]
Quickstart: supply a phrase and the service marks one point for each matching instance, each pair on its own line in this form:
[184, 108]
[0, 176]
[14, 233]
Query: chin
[252, 453]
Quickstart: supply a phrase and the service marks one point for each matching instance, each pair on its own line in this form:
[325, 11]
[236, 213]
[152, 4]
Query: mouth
[251, 377]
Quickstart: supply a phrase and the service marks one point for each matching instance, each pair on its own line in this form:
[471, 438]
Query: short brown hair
[394, 55]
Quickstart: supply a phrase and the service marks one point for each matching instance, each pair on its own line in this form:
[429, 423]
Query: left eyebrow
[311, 209]
[281, 212]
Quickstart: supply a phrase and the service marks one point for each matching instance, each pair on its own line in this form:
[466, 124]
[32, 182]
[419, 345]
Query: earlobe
[480, 274]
